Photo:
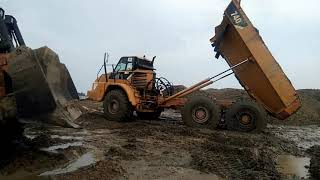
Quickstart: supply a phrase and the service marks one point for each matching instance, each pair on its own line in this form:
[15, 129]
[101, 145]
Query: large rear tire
[201, 111]
[116, 106]
[245, 116]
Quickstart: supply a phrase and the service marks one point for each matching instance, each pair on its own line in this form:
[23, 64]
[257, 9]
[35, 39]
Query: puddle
[31, 137]
[67, 137]
[85, 160]
[83, 132]
[292, 165]
[61, 146]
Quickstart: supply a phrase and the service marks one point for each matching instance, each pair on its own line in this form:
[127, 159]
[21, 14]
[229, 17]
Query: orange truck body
[236, 40]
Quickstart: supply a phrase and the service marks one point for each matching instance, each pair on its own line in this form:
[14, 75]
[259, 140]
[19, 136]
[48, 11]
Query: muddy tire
[116, 106]
[149, 115]
[201, 111]
[245, 116]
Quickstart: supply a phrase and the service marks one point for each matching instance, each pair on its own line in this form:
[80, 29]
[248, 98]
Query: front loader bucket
[43, 86]
[236, 40]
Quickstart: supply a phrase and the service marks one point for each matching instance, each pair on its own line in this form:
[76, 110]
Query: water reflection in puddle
[85, 160]
[79, 138]
[292, 165]
[62, 146]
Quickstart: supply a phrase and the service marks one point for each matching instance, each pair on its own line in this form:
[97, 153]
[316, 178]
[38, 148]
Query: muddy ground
[160, 149]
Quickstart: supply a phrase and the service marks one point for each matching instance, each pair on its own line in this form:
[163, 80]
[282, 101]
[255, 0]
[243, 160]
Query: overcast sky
[176, 31]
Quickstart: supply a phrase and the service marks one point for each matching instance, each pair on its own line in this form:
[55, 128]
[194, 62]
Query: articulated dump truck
[134, 86]
[237, 40]
[34, 84]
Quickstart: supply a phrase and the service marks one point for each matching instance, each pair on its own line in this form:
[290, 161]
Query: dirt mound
[232, 94]
[309, 114]
[96, 121]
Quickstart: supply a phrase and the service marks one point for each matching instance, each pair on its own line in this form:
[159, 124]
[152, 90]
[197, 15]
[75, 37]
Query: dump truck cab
[139, 72]
[132, 83]
[127, 65]
[131, 74]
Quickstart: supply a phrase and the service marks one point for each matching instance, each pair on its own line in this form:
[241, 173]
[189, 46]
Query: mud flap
[43, 86]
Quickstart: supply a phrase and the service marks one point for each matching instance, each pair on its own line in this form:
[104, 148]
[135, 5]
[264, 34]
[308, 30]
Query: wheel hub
[200, 115]
[245, 118]
[113, 107]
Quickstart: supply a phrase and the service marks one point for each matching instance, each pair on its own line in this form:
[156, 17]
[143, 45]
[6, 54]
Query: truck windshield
[122, 64]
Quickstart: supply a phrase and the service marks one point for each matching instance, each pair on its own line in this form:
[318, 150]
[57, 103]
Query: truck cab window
[122, 65]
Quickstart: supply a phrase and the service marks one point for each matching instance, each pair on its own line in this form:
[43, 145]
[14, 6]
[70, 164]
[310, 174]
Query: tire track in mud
[236, 163]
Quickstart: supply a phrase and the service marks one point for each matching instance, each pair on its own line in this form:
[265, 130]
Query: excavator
[33, 83]
[133, 86]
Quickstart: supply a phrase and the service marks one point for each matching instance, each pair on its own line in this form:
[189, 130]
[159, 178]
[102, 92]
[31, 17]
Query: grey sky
[176, 31]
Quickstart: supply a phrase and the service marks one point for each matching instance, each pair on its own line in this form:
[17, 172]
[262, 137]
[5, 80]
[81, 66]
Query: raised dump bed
[237, 40]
